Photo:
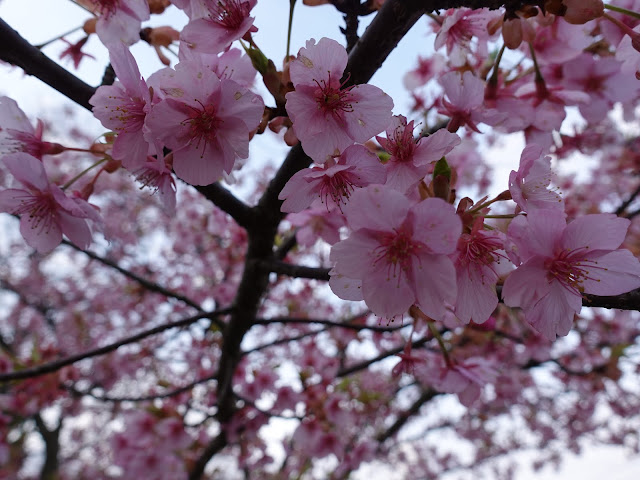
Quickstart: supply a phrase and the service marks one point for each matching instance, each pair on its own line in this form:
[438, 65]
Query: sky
[41, 20]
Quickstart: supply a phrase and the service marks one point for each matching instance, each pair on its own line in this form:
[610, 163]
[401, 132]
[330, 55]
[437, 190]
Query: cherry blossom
[334, 182]
[316, 222]
[18, 135]
[225, 22]
[464, 103]
[327, 118]
[155, 174]
[118, 20]
[458, 28]
[74, 51]
[411, 158]
[123, 107]
[560, 262]
[46, 213]
[398, 252]
[205, 321]
[476, 259]
[604, 82]
[466, 378]
[205, 122]
[529, 186]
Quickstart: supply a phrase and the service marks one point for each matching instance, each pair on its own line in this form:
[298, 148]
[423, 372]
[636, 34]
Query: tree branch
[51, 439]
[626, 301]
[348, 326]
[228, 203]
[64, 362]
[296, 271]
[148, 285]
[426, 396]
[17, 51]
[216, 445]
[147, 398]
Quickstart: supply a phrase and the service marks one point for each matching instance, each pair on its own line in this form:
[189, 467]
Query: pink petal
[371, 112]
[76, 229]
[376, 208]
[604, 231]
[318, 62]
[435, 146]
[614, 273]
[437, 225]
[11, 200]
[132, 149]
[553, 314]
[43, 234]
[125, 66]
[387, 295]
[354, 256]
[434, 279]
[477, 298]
[28, 170]
[345, 288]
[525, 285]
[298, 193]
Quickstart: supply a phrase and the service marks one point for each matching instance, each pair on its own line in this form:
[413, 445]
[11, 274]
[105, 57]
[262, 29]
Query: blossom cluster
[399, 241]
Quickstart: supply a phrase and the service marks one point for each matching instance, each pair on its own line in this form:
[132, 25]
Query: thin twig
[64, 362]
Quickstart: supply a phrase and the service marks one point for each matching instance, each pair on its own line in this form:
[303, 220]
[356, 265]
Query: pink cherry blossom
[205, 121]
[407, 363]
[464, 103]
[561, 262]
[155, 174]
[225, 22]
[398, 252]
[18, 135]
[427, 69]
[529, 185]
[334, 182]
[123, 108]
[466, 378]
[476, 260]
[74, 51]
[45, 211]
[316, 222]
[231, 64]
[327, 118]
[558, 41]
[602, 80]
[410, 158]
[459, 27]
[119, 21]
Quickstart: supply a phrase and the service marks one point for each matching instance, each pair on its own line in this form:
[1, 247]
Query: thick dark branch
[285, 247]
[626, 301]
[228, 203]
[64, 362]
[297, 271]
[51, 440]
[148, 285]
[269, 203]
[17, 51]
[215, 446]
